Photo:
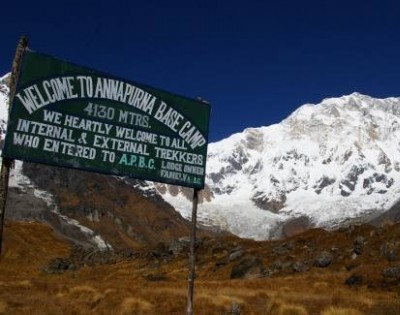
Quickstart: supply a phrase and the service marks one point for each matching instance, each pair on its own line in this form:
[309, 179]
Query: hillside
[89, 209]
[316, 272]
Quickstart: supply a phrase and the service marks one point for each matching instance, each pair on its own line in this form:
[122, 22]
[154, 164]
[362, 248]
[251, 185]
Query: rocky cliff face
[121, 211]
[93, 210]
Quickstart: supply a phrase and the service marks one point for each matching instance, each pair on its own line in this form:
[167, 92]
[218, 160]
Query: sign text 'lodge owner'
[68, 115]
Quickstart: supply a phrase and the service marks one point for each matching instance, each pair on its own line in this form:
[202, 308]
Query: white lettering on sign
[131, 118]
[65, 88]
[179, 156]
[168, 116]
[55, 90]
[24, 140]
[125, 93]
[120, 145]
[78, 150]
[45, 130]
[171, 166]
[135, 135]
[191, 135]
[60, 89]
[86, 124]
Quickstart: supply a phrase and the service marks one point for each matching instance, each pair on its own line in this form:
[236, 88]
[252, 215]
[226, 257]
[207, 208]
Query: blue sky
[254, 61]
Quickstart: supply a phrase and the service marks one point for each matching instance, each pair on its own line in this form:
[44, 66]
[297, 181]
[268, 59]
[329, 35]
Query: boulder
[59, 265]
[390, 250]
[323, 259]
[247, 267]
[391, 272]
[358, 245]
[354, 280]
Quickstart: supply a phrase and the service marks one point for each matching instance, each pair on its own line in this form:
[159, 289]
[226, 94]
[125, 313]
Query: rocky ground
[371, 255]
[356, 270]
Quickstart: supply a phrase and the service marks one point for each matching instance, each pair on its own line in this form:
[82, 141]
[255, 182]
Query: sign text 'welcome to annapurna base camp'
[67, 115]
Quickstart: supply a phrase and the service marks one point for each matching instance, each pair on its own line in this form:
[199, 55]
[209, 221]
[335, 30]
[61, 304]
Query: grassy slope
[153, 285]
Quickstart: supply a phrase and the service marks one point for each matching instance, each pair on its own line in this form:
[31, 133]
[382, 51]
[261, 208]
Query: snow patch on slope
[17, 179]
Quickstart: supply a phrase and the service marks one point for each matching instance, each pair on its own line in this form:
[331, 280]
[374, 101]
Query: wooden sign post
[6, 162]
[192, 256]
[104, 124]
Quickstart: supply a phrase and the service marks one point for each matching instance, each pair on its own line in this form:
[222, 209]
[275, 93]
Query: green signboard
[72, 116]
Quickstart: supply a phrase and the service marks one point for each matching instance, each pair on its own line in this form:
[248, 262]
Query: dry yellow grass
[289, 309]
[88, 293]
[85, 294]
[122, 288]
[3, 307]
[341, 311]
[133, 305]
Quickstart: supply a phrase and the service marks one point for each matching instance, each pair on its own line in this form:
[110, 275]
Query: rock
[283, 248]
[300, 266]
[391, 272]
[359, 245]
[247, 267]
[269, 272]
[390, 249]
[280, 250]
[179, 246]
[217, 249]
[234, 309]
[322, 183]
[59, 265]
[324, 259]
[354, 280]
[287, 265]
[86, 256]
[236, 248]
[296, 226]
[235, 255]
[161, 250]
[276, 265]
[221, 262]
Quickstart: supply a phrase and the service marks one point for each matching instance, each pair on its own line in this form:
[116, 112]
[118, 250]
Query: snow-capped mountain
[4, 90]
[327, 164]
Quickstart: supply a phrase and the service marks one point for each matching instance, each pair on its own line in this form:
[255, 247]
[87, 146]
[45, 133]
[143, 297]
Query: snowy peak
[355, 111]
[334, 137]
[4, 91]
[327, 162]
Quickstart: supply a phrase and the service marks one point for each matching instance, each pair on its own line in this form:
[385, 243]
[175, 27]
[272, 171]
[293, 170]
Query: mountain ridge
[325, 165]
[328, 163]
